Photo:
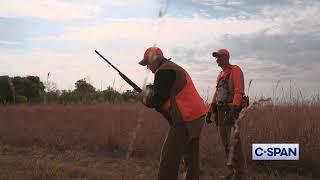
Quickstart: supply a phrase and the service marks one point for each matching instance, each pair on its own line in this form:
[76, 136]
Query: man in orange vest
[175, 96]
[226, 105]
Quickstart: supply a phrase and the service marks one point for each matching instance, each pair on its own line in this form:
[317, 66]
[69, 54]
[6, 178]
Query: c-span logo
[275, 151]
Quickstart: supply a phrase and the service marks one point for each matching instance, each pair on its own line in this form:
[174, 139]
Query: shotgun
[124, 77]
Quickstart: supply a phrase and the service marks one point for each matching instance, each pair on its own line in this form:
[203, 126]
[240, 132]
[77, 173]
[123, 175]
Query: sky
[275, 42]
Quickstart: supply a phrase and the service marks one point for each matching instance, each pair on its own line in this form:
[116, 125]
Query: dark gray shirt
[163, 83]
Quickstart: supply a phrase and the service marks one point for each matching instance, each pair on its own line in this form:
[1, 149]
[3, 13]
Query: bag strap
[225, 78]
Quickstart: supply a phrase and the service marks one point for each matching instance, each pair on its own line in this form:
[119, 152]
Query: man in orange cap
[227, 102]
[175, 96]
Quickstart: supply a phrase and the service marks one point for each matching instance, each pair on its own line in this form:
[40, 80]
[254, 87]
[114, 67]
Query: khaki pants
[179, 143]
[225, 132]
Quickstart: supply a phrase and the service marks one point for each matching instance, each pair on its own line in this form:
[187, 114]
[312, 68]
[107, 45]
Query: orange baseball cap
[151, 51]
[221, 52]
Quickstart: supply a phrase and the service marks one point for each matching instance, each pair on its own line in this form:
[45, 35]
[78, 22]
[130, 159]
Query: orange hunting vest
[226, 90]
[184, 103]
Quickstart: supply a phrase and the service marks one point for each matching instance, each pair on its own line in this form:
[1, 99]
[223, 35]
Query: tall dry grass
[286, 123]
[105, 128]
[102, 127]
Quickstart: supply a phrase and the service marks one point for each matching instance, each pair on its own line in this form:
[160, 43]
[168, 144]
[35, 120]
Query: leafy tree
[19, 85]
[83, 87]
[35, 88]
[31, 87]
[130, 95]
[111, 95]
[21, 99]
[53, 96]
[7, 90]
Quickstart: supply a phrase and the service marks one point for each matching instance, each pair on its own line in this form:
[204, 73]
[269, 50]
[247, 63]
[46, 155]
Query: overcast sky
[274, 41]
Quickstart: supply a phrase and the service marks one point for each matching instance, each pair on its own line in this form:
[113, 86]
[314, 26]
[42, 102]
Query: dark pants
[177, 144]
[225, 131]
[238, 160]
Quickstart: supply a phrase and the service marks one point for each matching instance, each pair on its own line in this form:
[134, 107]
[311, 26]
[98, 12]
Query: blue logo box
[275, 151]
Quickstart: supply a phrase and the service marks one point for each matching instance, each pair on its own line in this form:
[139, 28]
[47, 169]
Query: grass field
[91, 141]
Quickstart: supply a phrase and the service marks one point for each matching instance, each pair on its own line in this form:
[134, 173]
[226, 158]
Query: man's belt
[221, 104]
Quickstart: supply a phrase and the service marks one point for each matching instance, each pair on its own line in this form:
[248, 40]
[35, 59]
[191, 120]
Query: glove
[232, 115]
[146, 96]
[214, 110]
[208, 118]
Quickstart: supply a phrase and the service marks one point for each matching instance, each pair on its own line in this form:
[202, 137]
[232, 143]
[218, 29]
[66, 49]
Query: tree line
[30, 89]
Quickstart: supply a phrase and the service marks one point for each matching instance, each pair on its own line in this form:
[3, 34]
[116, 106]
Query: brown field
[91, 142]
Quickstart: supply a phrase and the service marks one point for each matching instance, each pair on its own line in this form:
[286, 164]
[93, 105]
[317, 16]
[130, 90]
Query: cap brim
[143, 62]
[216, 54]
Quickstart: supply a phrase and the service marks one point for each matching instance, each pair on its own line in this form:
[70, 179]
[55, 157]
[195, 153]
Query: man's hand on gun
[145, 96]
